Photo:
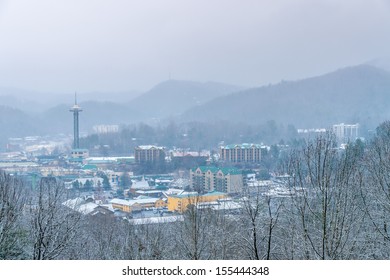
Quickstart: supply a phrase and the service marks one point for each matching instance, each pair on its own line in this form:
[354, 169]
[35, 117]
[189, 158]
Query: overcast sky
[119, 45]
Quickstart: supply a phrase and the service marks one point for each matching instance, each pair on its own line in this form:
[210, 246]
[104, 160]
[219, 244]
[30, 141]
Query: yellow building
[137, 204]
[179, 203]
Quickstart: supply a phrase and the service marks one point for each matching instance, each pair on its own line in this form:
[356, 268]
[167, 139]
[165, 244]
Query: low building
[150, 193]
[140, 185]
[210, 178]
[137, 204]
[88, 208]
[106, 162]
[180, 202]
[223, 205]
[78, 155]
[188, 159]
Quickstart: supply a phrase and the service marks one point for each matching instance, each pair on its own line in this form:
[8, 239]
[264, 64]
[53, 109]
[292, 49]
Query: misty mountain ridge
[38, 102]
[162, 101]
[173, 97]
[350, 95]
[382, 63]
[60, 119]
[357, 94]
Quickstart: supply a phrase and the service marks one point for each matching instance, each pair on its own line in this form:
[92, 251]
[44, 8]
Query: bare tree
[53, 226]
[326, 205]
[224, 237]
[259, 218]
[193, 233]
[376, 192]
[12, 200]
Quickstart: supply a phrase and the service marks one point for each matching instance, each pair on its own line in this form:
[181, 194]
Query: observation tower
[76, 109]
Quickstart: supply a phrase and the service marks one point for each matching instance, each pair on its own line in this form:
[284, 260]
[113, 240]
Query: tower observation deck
[76, 109]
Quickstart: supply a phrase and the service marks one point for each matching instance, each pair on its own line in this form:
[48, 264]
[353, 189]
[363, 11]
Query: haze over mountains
[353, 94]
[50, 113]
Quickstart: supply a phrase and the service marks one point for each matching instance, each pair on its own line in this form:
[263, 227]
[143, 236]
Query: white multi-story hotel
[346, 132]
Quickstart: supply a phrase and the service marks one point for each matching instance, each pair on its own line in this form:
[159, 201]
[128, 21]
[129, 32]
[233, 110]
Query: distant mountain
[166, 99]
[59, 119]
[25, 100]
[173, 97]
[383, 63]
[15, 123]
[353, 94]
[114, 97]
[37, 102]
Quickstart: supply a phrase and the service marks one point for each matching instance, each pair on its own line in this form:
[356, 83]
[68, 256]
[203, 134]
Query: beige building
[149, 153]
[241, 153]
[209, 178]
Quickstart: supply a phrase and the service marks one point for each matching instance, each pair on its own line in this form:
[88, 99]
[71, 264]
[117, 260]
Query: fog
[66, 46]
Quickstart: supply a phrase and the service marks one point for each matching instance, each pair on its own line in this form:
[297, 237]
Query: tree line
[195, 136]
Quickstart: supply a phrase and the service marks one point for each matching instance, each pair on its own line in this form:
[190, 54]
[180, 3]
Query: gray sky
[86, 45]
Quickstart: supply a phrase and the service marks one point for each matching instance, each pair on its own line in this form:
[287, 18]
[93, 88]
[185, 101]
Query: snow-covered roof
[156, 220]
[74, 203]
[190, 154]
[148, 192]
[148, 147]
[143, 184]
[220, 204]
[87, 208]
[133, 201]
[78, 204]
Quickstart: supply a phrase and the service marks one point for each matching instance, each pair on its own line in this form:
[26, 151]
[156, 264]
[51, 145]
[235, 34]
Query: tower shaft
[76, 109]
[76, 141]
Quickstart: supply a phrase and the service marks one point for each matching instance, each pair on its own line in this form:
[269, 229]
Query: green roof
[75, 160]
[231, 171]
[161, 187]
[213, 169]
[89, 167]
[204, 169]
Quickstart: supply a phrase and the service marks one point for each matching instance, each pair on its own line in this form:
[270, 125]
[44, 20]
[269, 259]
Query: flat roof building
[148, 153]
[346, 132]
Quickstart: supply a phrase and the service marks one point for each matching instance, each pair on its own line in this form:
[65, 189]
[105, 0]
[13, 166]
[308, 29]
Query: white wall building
[346, 132]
